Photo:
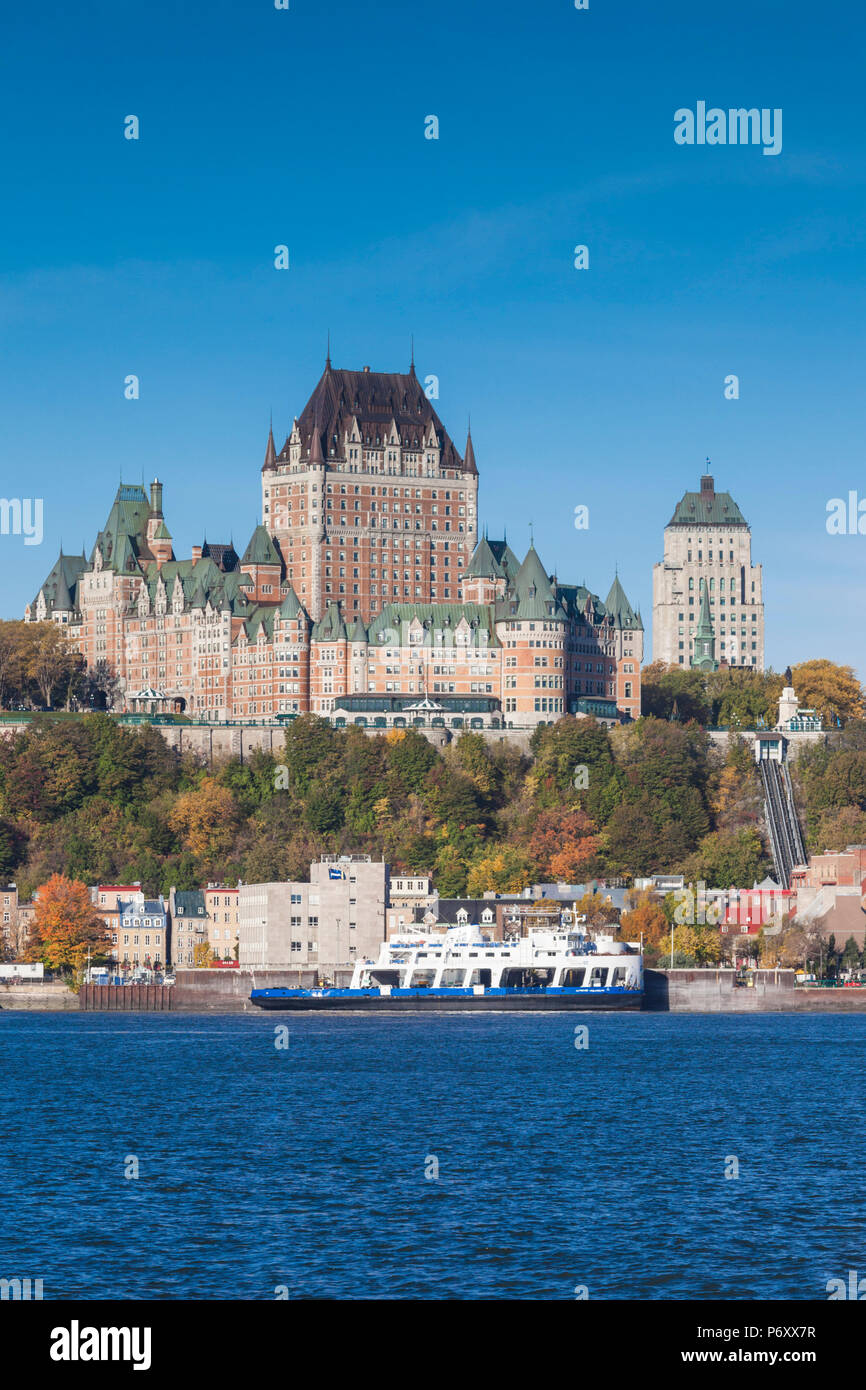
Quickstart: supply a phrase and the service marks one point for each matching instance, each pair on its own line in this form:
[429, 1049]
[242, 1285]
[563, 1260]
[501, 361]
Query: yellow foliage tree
[830, 689]
[205, 819]
[703, 944]
[504, 871]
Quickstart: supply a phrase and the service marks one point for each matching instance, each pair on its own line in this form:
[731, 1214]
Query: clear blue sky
[602, 387]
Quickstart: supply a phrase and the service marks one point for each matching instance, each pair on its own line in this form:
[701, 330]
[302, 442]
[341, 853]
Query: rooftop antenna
[412, 352]
[328, 358]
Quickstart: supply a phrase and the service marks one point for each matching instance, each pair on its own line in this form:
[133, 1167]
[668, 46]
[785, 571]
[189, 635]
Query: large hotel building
[365, 577]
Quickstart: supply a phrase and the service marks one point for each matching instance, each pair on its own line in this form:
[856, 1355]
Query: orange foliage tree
[66, 925]
[647, 917]
[563, 846]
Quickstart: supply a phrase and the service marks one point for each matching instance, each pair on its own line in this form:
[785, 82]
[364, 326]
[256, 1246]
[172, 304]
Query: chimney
[156, 497]
[196, 553]
[707, 487]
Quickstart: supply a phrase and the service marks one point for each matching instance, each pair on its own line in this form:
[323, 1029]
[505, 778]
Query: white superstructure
[461, 958]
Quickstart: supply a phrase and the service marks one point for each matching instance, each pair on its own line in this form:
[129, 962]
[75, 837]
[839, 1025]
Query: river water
[452, 1156]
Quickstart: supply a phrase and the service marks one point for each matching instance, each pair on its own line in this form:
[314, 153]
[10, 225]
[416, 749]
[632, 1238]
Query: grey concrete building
[330, 921]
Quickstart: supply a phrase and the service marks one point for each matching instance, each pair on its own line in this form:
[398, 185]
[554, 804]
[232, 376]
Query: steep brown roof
[375, 400]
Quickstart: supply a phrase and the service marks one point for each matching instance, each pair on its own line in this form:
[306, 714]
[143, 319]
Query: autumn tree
[66, 926]
[507, 870]
[833, 690]
[205, 818]
[645, 920]
[14, 653]
[697, 945]
[51, 661]
[563, 846]
[598, 910]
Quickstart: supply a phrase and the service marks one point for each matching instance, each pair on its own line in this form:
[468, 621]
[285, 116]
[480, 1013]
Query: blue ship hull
[446, 1000]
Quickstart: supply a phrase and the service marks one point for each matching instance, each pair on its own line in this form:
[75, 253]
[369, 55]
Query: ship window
[573, 979]
[598, 977]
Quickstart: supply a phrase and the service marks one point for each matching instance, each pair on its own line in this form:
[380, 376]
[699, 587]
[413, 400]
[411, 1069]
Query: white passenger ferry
[461, 970]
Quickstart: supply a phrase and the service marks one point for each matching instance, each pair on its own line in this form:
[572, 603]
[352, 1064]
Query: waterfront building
[221, 906]
[190, 926]
[142, 933]
[336, 917]
[708, 547]
[10, 947]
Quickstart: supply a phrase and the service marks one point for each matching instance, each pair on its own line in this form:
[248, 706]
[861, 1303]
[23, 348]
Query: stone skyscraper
[708, 538]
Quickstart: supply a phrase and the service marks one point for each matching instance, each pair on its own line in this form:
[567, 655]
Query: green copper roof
[620, 609]
[506, 558]
[440, 622]
[484, 564]
[260, 619]
[707, 508]
[704, 651]
[162, 532]
[357, 632]
[330, 628]
[190, 903]
[291, 606]
[261, 549]
[532, 593]
[61, 586]
[125, 532]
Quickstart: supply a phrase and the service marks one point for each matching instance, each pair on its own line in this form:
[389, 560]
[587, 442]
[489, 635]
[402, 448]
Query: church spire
[704, 654]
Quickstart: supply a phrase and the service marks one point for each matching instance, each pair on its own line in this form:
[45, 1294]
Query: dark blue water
[557, 1167]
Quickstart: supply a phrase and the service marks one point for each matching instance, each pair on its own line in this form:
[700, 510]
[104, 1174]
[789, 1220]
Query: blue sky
[601, 387]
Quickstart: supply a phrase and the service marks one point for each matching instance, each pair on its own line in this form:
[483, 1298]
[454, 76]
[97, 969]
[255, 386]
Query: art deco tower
[708, 539]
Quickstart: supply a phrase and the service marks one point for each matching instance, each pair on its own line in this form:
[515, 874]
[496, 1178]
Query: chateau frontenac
[365, 578]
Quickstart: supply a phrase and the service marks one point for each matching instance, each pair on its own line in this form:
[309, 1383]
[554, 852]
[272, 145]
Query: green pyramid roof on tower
[60, 589]
[330, 628]
[291, 607]
[620, 609]
[261, 549]
[125, 531]
[162, 532]
[533, 593]
[484, 564]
